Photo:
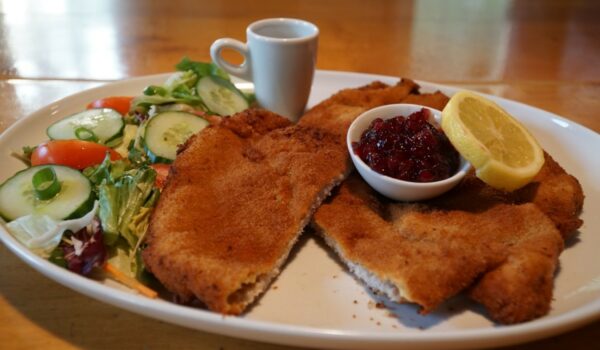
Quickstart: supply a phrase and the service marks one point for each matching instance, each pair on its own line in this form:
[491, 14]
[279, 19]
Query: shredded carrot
[128, 281]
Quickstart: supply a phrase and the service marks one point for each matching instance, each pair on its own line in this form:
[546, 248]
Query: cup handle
[242, 70]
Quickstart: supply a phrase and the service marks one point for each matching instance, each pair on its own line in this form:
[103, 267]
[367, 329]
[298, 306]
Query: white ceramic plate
[315, 302]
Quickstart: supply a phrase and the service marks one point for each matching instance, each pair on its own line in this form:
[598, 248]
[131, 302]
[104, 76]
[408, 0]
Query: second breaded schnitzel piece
[238, 196]
[427, 253]
[557, 193]
[336, 113]
[424, 254]
[505, 246]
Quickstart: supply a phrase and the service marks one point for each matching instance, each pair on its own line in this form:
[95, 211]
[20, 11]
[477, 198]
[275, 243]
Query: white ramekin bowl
[390, 187]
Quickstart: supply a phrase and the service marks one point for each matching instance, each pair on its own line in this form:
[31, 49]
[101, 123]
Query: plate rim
[294, 334]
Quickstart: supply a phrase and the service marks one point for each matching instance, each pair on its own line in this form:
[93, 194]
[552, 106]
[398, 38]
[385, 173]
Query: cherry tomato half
[77, 154]
[120, 104]
[162, 171]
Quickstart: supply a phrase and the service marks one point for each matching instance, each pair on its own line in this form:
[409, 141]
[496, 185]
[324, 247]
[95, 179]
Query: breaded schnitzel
[336, 113]
[504, 246]
[240, 193]
[426, 254]
[238, 196]
[557, 193]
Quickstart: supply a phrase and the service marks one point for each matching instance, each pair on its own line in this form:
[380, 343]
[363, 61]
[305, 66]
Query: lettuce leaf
[106, 171]
[180, 87]
[125, 195]
[135, 192]
[201, 69]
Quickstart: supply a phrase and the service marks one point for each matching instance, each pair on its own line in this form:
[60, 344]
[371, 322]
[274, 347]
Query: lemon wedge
[505, 155]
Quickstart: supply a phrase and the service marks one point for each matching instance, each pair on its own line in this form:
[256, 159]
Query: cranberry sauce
[409, 149]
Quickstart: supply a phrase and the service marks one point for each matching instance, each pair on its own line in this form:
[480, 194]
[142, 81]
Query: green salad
[85, 198]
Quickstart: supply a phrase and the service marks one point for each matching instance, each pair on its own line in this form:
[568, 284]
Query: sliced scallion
[45, 183]
[85, 134]
[155, 90]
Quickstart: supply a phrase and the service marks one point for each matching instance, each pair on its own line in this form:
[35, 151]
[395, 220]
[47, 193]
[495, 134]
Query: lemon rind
[488, 169]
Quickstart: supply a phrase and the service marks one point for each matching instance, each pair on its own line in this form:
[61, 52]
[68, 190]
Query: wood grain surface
[543, 53]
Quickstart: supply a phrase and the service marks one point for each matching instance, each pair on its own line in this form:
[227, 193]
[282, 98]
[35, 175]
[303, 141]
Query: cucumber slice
[75, 199]
[221, 96]
[166, 131]
[104, 124]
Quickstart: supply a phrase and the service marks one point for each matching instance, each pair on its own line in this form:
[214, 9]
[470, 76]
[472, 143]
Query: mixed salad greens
[84, 201]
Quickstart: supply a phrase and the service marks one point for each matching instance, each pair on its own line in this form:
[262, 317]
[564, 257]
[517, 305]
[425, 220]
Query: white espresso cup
[279, 58]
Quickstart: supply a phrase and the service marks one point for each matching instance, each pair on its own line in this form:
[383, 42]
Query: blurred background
[486, 44]
[429, 39]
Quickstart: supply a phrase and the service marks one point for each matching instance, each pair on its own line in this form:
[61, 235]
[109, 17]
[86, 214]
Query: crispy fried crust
[337, 112]
[238, 196]
[430, 254]
[504, 245]
[556, 193]
[436, 100]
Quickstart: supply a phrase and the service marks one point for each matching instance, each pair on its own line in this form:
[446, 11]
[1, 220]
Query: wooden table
[543, 53]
